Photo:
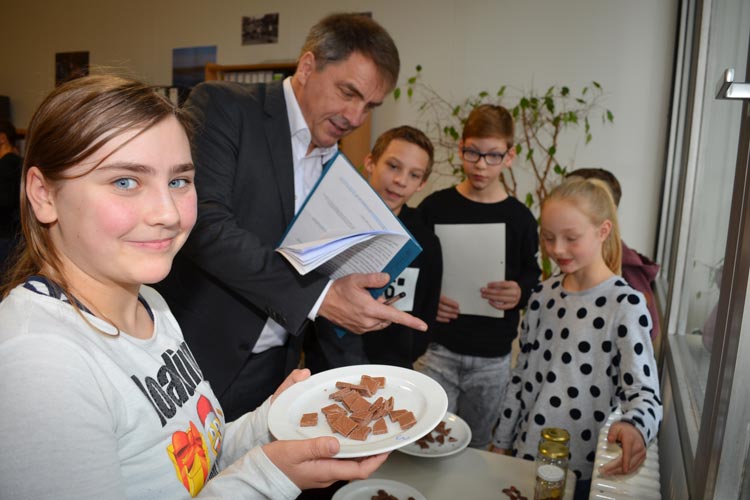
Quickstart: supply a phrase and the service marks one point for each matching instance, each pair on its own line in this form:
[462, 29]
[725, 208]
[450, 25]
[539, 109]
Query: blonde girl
[585, 343]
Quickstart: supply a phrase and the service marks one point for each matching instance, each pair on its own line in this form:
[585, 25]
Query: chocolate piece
[437, 435]
[351, 398]
[343, 425]
[380, 381]
[309, 420]
[363, 389]
[361, 417]
[371, 384]
[360, 433]
[389, 403]
[360, 388]
[378, 409]
[359, 405]
[340, 395]
[407, 420]
[380, 427]
[333, 408]
[378, 404]
[395, 414]
[331, 418]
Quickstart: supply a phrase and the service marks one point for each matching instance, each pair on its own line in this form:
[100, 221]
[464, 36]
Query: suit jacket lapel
[280, 144]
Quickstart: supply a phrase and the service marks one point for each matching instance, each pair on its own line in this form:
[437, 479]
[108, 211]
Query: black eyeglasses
[491, 158]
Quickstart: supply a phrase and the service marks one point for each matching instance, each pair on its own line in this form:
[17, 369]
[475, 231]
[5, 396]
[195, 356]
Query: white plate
[410, 389]
[366, 489]
[459, 430]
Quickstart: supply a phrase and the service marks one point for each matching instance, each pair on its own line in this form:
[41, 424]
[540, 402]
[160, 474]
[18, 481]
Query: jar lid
[551, 473]
[553, 450]
[555, 434]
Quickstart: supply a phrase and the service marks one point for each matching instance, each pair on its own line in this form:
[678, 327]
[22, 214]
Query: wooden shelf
[355, 146]
[226, 71]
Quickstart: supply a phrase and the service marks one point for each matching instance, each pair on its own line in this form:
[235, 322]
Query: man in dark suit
[10, 191]
[258, 150]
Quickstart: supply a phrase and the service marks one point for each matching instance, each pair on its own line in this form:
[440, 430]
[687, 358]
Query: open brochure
[468, 267]
[344, 227]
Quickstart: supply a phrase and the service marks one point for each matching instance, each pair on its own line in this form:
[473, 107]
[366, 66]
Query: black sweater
[482, 335]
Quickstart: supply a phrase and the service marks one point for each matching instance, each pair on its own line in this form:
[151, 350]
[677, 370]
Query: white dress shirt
[307, 170]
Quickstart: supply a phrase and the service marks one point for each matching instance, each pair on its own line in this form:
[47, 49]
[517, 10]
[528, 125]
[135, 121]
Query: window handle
[729, 89]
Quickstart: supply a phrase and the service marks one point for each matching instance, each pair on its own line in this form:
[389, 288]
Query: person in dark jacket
[10, 190]
[637, 269]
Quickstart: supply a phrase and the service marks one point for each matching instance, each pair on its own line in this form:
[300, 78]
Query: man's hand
[349, 304]
[308, 462]
[447, 310]
[503, 295]
[633, 449]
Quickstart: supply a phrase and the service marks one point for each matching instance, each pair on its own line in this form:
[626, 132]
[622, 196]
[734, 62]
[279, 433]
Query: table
[470, 474]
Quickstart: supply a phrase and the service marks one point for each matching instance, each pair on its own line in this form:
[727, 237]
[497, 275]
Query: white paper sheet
[473, 255]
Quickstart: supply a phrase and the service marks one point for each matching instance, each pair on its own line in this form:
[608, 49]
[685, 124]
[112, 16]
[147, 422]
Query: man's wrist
[316, 307]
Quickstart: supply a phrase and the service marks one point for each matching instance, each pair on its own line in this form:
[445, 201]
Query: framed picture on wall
[257, 30]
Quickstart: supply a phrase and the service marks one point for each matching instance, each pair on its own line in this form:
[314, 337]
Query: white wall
[464, 46]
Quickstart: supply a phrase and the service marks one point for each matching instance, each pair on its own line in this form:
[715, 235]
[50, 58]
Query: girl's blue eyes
[128, 183]
[125, 183]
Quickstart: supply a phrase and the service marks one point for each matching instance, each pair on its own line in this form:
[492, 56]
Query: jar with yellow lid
[556, 435]
[551, 453]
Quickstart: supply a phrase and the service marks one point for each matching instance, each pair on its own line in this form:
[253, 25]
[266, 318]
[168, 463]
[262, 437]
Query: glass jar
[556, 435]
[550, 482]
[550, 453]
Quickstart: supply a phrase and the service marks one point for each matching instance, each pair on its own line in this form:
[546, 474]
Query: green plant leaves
[541, 122]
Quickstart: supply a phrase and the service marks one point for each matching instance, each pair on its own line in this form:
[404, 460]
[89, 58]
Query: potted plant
[542, 119]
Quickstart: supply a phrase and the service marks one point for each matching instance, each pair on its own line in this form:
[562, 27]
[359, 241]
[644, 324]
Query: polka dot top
[582, 354]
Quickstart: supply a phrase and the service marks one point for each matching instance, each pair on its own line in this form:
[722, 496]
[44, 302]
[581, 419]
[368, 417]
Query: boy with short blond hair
[397, 167]
[470, 354]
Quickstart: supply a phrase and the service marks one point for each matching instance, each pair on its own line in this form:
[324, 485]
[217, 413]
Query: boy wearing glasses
[397, 167]
[470, 354]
